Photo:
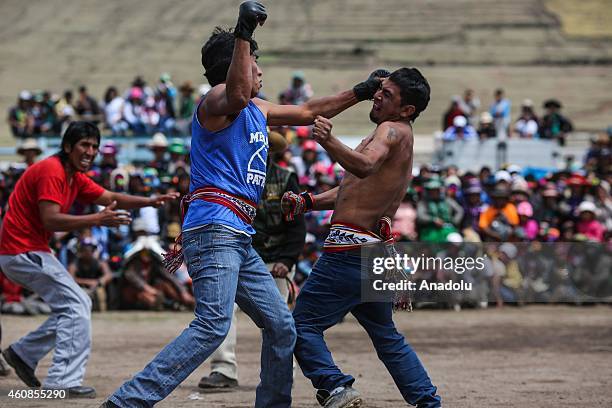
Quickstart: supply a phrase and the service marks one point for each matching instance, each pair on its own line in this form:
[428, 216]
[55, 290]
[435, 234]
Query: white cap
[513, 168]
[503, 175]
[519, 184]
[459, 121]
[508, 249]
[454, 237]
[25, 95]
[587, 206]
[452, 180]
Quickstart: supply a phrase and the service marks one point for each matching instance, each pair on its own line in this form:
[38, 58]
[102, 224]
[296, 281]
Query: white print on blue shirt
[256, 169]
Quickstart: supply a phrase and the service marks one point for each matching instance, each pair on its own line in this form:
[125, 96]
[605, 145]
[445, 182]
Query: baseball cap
[524, 208]
[587, 206]
[109, 148]
[25, 95]
[459, 121]
[309, 145]
[302, 131]
[503, 175]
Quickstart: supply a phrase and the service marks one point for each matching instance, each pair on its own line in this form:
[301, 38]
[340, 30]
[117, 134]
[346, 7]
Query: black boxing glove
[366, 89]
[251, 13]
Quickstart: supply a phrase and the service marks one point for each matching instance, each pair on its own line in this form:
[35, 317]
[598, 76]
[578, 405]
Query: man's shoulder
[51, 166]
[262, 105]
[397, 125]
[394, 131]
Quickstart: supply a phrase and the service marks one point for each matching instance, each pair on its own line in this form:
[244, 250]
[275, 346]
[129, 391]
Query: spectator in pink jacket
[587, 222]
[528, 225]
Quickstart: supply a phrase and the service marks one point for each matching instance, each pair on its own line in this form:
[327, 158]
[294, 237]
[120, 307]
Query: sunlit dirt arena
[535, 356]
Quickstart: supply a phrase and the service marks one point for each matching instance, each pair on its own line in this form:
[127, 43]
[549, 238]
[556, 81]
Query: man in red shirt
[39, 206]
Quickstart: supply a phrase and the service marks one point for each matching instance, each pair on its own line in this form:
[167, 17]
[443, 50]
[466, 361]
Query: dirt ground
[537, 356]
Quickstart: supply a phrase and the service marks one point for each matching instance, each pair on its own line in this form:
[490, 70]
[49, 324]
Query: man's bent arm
[326, 200]
[234, 95]
[368, 161]
[124, 201]
[54, 220]
[305, 114]
[128, 202]
[293, 245]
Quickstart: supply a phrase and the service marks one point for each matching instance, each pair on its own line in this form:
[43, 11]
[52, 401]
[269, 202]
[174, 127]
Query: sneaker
[14, 308]
[341, 397]
[217, 380]
[22, 370]
[81, 392]
[109, 404]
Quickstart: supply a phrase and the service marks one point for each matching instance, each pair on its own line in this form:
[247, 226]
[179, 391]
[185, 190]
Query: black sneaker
[81, 392]
[22, 370]
[109, 404]
[217, 380]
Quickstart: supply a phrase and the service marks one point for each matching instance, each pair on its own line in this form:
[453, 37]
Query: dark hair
[414, 89]
[76, 132]
[217, 54]
[82, 88]
[110, 91]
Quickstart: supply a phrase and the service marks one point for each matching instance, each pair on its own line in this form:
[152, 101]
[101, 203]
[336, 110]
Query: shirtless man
[378, 172]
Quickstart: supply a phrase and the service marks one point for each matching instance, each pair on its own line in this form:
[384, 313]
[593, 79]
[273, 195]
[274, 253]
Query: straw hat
[29, 144]
[158, 140]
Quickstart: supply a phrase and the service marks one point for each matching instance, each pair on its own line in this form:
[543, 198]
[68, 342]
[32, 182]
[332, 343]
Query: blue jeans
[224, 268]
[68, 329]
[332, 290]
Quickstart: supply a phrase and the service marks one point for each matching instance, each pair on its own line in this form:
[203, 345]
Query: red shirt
[22, 229]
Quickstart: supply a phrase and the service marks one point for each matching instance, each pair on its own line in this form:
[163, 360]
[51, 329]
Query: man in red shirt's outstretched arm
[39, 206]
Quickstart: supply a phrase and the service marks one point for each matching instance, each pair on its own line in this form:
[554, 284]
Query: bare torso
[363, 201]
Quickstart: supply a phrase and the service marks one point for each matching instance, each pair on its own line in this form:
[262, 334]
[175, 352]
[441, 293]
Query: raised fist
[251, 13]
[321, 131]
[295, 204]
[366, 89]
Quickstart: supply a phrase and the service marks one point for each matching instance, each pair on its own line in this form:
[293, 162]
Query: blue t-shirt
[232, 159]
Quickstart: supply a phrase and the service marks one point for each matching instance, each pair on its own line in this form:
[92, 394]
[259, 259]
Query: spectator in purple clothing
[473, 205]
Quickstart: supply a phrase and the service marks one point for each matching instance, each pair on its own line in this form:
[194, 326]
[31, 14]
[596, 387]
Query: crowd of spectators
[138, 110]
[462, 122]
[502, 212]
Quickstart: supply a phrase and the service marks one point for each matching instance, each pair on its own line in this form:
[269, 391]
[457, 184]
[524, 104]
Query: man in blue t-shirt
[228, 167]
